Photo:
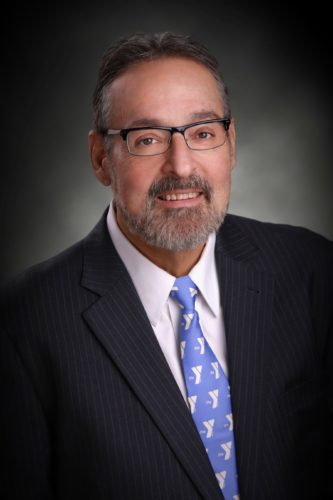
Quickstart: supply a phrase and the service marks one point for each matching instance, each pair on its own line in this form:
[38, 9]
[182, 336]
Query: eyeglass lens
[151, 142]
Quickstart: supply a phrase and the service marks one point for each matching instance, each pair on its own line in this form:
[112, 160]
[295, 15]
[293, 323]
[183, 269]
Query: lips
[178, 196]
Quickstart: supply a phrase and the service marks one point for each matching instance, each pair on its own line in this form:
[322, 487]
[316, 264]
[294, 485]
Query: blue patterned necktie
[208, 390]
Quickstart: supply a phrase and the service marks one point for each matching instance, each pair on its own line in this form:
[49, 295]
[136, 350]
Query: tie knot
[185, 292]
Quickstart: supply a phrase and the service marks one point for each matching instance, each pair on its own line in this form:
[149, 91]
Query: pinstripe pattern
[276, 352]
[93, 412]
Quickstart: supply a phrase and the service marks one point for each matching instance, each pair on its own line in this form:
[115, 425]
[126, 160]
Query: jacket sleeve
[329, 372]
[323, 316]
[25, 439]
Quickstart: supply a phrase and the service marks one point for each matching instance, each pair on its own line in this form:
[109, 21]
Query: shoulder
[42, 282]
[259, 232]
[62, 271]
[57, 265]
[277, 244]
[260, 228]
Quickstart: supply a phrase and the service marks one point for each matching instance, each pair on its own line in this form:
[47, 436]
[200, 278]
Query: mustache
[172, 183]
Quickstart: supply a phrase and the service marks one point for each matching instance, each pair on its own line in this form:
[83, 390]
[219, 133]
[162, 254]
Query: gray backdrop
[276, 66]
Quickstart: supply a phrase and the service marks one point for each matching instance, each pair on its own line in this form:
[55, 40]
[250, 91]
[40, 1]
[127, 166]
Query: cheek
[220, 178]
[132, 188]
[128, 183]
[221, 183]
[134, 176]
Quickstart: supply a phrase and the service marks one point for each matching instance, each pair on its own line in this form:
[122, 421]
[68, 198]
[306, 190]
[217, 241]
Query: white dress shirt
[154, 285]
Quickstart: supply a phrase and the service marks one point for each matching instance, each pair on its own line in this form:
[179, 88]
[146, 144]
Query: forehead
[165, 91]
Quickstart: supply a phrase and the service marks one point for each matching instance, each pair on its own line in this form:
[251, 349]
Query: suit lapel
[247, 301]
[120, 323]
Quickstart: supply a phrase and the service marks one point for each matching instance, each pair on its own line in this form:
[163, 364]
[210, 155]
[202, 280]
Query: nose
[179, 158]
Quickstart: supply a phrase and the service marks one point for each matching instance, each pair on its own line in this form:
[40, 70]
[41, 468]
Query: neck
[175, 263]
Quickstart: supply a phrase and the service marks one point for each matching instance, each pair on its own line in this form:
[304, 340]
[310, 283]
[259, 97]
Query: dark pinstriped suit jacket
[92, 411]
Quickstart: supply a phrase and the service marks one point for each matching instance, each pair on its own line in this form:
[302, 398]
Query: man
[97, 401]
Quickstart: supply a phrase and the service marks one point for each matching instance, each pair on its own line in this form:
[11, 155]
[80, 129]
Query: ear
[99, 158]
[232, 143]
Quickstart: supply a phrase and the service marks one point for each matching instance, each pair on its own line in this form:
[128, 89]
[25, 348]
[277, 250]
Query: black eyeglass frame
[125, 131]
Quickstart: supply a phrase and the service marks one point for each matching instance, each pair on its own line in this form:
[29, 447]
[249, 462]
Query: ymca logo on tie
[208, 390]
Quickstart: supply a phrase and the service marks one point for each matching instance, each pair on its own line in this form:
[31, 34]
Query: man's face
[176, 199]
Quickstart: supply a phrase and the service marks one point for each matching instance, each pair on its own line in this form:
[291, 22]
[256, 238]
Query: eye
[204, 134]
[146, 141]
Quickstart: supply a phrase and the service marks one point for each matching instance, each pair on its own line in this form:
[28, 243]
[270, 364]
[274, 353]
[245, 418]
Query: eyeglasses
[151, 141]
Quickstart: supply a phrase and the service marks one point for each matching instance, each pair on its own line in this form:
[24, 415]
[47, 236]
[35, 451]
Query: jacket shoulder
[279, 242]
[41, 282]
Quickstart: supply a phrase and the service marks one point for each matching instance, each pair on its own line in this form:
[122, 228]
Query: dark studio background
[276, 65]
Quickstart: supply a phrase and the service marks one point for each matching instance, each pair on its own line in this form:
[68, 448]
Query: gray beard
[174, 229]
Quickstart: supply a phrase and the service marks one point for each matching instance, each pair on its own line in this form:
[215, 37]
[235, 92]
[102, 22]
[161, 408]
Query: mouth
[179, 196]
[174, 193]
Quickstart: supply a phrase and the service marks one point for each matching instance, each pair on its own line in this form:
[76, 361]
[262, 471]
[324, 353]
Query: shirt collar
[153, 284]
[204, 275]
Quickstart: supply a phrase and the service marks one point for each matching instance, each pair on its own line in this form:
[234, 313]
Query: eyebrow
[153, 122]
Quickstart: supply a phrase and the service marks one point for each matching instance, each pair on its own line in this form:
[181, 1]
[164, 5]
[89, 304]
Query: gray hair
[141, 47]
